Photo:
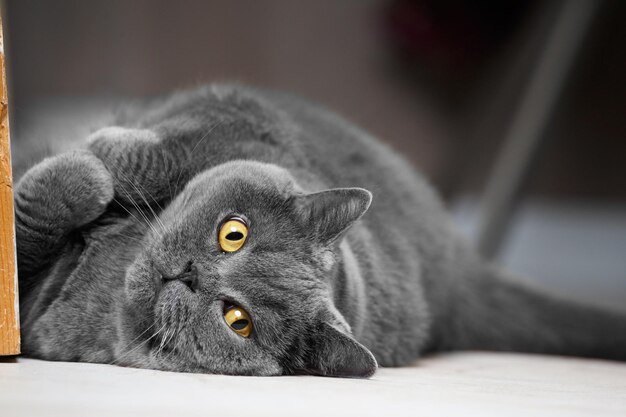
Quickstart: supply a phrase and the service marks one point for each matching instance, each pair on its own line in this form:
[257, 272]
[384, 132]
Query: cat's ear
[329, 213]
[335, 353]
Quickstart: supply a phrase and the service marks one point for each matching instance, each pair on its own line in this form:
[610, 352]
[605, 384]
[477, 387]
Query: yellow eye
[233, 235]
[238, 320]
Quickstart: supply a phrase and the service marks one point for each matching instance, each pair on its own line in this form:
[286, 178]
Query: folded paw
[139, 165]
[114, 144]
[68, 190]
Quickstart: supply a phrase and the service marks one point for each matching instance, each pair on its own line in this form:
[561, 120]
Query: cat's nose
[189, 276]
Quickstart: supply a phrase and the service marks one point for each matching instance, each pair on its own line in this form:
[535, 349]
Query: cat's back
[319, 147]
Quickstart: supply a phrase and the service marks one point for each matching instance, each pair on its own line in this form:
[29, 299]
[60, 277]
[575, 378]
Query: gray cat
[239, 231]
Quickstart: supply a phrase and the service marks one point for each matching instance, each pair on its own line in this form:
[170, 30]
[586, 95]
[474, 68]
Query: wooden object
[9, 317]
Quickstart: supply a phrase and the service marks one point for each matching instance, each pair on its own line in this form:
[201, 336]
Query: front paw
[71, 189]
[115, 144]
[139, 165]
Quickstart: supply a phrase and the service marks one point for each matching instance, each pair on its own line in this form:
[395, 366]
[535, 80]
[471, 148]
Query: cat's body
[315, 276]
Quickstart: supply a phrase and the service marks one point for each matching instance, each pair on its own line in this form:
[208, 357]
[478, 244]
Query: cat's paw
[135, 158]
[114, 144]
[73, 188]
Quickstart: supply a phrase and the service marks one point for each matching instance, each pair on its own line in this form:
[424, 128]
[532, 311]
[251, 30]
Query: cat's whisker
[133, 202]
[138, 336]
[145, 218]
[142, 220]
[128, 211]
[163, 341]
[141, 212]
[206, 135]
[172, 351]
[137, 187]
[156, 217]
[139, 345]
[167, 174]
[136, 239]
[128, 195]
[174, 334]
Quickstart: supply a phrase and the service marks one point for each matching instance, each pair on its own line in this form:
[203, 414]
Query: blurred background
[515, 111]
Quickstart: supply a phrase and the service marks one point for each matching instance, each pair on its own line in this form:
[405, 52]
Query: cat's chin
[150, 354]
[172, 362]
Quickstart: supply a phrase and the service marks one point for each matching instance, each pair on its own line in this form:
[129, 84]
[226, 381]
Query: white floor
[463, 384]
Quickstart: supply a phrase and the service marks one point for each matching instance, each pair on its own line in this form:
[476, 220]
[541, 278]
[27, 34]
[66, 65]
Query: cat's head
[236, 277]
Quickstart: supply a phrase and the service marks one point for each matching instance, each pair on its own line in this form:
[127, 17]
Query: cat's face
[257, 302]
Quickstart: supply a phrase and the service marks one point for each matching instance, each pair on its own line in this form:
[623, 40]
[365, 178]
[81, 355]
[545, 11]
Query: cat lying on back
[237, 231]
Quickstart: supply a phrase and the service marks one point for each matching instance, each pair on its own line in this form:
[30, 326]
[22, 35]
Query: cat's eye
[238, 319]
[233, 234]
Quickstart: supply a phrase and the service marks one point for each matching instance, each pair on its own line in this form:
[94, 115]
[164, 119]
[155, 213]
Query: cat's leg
[140, 163]
[55, 197]
[150, 167]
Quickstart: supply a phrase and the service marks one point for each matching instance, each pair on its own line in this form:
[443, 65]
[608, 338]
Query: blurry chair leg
[528, 123]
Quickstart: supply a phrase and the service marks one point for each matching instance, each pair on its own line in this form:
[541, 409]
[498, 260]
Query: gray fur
[334, 285]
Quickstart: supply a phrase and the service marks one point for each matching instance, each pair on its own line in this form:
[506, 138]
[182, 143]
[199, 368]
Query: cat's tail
[487, 309]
